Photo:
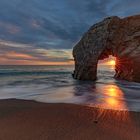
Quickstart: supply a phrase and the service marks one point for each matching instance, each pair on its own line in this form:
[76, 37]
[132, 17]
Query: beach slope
[29, 120]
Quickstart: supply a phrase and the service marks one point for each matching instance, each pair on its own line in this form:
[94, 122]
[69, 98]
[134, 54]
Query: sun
[112, 62]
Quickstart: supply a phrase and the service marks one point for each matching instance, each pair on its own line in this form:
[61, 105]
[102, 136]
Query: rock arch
[112, 36]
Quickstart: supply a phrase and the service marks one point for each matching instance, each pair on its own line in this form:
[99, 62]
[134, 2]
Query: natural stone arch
[112, 36]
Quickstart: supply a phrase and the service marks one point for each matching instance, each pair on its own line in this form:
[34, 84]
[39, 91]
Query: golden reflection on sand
[112, 97]
[115, 97]
[114, 103]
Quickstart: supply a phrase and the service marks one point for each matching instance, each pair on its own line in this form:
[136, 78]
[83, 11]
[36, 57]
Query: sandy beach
[29, 120]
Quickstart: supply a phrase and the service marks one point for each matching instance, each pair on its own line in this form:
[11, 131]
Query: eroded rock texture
[113, 36]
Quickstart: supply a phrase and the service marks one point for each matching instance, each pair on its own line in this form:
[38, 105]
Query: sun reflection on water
[113, 98]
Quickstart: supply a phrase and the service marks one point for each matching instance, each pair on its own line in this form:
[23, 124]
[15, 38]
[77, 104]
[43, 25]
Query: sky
[43, 32]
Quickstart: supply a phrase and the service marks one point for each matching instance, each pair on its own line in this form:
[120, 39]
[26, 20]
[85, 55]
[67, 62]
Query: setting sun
[112, 62]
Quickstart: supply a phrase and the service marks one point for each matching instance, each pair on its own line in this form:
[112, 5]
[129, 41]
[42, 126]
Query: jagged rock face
[112, 36]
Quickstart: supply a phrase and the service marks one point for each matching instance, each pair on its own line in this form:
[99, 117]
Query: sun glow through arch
[108, 61]
[107, 64]
[112, 62]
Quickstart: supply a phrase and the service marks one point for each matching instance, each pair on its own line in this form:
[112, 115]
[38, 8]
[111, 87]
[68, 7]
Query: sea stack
[119, 37]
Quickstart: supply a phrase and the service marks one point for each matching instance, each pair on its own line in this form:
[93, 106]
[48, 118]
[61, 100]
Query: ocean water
[54, 84]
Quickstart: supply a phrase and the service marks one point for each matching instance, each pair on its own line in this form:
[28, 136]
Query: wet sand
[29, 120]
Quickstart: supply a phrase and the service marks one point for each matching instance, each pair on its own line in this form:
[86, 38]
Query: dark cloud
[53, 24]
[64, 20]
[125, 8]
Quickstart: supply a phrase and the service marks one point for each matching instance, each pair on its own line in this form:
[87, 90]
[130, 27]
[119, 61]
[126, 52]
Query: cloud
[9, 28]
[64, 20]
[16, 51]
[41, 21]
[51, 25]
[125, 8]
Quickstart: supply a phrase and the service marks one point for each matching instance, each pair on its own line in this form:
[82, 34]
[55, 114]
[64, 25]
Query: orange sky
[25, 59]
[4, 61]
[13, 53]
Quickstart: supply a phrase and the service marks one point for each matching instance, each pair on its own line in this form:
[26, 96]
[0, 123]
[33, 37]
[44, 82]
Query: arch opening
[106, 66]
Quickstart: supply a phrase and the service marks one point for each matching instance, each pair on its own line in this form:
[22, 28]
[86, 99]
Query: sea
[55, 84]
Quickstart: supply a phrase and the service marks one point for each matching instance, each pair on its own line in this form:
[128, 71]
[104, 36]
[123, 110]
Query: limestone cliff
[112, 36]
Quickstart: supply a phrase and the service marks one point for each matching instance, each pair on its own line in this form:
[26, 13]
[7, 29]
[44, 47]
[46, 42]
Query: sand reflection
[111, 104]
[113, 98]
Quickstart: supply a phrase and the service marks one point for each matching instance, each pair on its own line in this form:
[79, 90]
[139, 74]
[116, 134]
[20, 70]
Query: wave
[55, 84]
[19, 73]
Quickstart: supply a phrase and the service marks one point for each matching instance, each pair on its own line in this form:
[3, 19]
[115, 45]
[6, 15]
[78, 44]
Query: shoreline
[25, 119]
[77, 104]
